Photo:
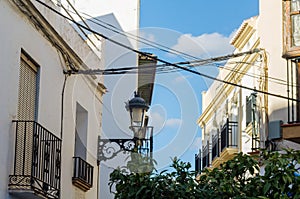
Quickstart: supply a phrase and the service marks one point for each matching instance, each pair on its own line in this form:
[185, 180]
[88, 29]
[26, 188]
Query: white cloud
[157, 119]
[181, 78]
[205, 45]
[147, 36]
[173, 122]
[196, 144]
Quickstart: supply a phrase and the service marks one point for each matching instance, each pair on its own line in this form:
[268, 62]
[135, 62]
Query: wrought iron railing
[109, 148]
[198, 162]
[83, 174]
[37, 161]
[215, 146]
[229, 135]
[205, 156]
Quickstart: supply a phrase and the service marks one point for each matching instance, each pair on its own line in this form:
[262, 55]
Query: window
[81, 132]
[291, 38]
[293, 82]
[251, 109]
[28, 89]
[295, 21]
[248, 110]
[82, 171]
[291, 34]
[27, 110]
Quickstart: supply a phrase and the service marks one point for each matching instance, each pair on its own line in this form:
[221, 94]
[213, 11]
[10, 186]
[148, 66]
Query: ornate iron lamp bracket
[109, 148]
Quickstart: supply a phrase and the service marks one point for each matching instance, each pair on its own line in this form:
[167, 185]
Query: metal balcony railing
[198, 162]
[215, 146]
[83, 174]
[37, 161]
[205, 157]
[229, 135]
[144, 141]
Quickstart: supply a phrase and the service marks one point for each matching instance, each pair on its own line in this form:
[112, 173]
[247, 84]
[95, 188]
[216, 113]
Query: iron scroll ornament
[110, 148]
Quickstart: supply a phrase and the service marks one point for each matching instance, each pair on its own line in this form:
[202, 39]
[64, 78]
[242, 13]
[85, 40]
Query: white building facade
[119, 21]
[276, 121]
[51, 118]
[233, 113]
[279, 33]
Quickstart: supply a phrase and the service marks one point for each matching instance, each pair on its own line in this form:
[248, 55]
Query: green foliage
[238, 178]
[279, 179]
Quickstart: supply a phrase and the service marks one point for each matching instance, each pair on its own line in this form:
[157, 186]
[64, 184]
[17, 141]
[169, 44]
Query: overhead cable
[133, 36]
[169, 63]
[159, 71]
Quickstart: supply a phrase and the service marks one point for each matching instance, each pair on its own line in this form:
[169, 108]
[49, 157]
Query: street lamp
[137, 109]
[142, 141]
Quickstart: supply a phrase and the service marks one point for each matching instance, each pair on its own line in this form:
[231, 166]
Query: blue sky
[199, 28]
[197, 16]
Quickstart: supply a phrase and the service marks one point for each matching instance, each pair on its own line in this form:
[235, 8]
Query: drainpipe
[98, 177]
[67, 72]
[266, 114]
[62, 106]
[240, 120]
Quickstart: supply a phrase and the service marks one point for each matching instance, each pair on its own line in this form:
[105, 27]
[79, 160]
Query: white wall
[124, 15]
[18, 33]
[270, 32]
[126, 11]
[77, 91]
[120, 87]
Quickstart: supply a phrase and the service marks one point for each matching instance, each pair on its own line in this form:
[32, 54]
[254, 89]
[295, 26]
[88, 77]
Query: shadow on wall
[280, 114]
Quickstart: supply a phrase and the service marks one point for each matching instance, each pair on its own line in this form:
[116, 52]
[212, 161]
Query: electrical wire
[256, 76]
[83, 32]
[133, 36]
[189, 64]
[168, 63]
[117, 30]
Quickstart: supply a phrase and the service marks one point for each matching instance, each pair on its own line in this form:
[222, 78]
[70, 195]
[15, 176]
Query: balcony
[198, 162]
[83, 174]
[291, 132]
[215, 147]
[216, 160]
[229, 140]
[205, 157]
[37, 162]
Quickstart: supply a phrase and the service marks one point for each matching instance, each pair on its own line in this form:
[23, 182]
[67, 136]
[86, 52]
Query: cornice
[244, 33]
[226, 89]
[42, 25]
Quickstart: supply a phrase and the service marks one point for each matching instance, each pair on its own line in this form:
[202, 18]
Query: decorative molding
[228, 154]
[226, 89]
[217, 162]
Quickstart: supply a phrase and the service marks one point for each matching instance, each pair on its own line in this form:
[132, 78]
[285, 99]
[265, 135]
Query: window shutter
[27, 91]
[248, 110]
[27, 100]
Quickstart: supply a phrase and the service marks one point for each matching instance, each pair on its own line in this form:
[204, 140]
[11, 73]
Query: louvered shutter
[27, 90]
[26, 111]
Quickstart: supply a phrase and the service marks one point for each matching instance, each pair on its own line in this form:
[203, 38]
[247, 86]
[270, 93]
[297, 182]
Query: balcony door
[27, 99]
[27, 111]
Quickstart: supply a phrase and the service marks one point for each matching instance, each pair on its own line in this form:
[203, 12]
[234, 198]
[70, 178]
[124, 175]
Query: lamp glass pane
[137, 116]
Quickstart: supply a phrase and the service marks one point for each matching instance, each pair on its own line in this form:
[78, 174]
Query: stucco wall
[18, 33]
[270, 32]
